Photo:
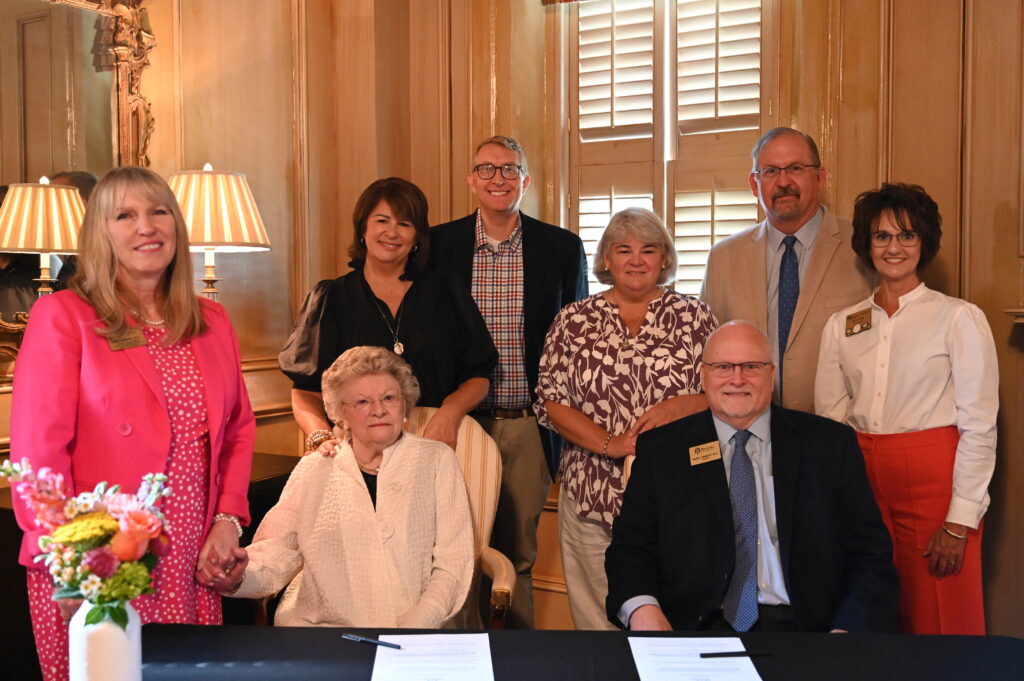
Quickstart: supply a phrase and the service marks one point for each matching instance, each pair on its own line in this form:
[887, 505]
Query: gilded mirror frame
[129, 40]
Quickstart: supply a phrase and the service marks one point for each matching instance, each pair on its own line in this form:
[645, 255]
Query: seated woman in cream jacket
[379, 535]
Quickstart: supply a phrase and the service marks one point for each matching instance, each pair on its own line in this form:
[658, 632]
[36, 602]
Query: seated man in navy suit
[749, 516]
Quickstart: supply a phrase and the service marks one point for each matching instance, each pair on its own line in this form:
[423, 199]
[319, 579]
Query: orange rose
[128, 546]
[132, 540]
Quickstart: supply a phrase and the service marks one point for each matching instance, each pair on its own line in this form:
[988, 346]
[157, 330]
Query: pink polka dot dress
[179, 599]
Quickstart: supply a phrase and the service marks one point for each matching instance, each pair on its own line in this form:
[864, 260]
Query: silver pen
[373, 641]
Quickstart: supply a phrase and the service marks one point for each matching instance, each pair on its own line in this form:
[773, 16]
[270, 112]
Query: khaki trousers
[583, 545]
[525, 482]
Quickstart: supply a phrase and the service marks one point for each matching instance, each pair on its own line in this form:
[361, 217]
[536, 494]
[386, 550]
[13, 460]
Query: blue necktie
[740, 606]
[789, 291]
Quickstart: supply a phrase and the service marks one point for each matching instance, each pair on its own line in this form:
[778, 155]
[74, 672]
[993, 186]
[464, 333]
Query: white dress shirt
[771, 583]
[932, 364]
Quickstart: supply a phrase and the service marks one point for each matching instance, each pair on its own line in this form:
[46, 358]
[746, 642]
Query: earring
[415, 248]
[362, 241]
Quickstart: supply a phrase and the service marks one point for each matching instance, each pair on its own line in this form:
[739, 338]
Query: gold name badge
[132, 338]
[704, 453]
[858, 322]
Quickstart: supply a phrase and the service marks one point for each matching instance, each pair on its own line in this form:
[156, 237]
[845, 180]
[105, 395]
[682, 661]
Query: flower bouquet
[101, 545]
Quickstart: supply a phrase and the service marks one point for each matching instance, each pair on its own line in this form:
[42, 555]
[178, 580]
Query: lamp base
[211, 287]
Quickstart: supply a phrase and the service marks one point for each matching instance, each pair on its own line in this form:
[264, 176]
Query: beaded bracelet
[604, 448]
[953, 534]
[231, 519]
[314, 439]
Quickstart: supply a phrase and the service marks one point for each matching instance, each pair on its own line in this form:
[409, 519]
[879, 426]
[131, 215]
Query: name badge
[704, 453]
[858, 322]
[132, 338]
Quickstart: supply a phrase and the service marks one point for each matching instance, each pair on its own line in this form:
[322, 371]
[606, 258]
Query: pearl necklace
[367, 469]
[147, 322]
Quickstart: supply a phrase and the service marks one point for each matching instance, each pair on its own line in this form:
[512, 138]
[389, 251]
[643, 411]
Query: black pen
[363, 639]
[735, 653]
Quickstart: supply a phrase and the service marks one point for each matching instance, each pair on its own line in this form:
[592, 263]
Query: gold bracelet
[314, 439]
[953, 534]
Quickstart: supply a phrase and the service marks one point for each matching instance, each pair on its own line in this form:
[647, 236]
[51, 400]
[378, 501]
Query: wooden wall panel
[51, 96]
[930, 92]
[925, 122]
[993, 216]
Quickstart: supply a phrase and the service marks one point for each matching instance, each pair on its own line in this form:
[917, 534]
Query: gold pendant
[399, 348]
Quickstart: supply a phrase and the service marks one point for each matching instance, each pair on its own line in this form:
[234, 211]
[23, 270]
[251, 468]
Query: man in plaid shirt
[521, 272]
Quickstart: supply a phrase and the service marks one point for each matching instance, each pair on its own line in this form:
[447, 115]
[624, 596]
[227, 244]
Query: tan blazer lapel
[755, 262]
[824, 250]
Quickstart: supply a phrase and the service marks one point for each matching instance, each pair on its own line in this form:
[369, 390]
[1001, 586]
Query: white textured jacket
[409, 563]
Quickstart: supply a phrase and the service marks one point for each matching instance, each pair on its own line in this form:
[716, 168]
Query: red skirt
[912, 478]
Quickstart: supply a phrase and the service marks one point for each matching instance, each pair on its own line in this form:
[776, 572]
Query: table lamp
[41, 218]
[221, 216]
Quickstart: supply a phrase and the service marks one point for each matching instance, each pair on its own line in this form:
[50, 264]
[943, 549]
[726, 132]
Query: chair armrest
[495, 565]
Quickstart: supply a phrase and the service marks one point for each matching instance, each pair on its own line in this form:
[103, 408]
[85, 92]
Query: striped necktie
[740, 605]
[789, 291]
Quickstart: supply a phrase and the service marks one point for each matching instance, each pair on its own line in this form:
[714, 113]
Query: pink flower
[102, 562]
[160, 546]
[44, 492]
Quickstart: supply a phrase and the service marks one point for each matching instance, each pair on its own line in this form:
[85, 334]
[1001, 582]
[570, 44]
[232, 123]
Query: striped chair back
[480, 461]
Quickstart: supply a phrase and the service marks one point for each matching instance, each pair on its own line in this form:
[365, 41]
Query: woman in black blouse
[391, 300]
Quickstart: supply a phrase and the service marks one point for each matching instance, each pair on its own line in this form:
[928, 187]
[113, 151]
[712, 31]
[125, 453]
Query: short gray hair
[363, 360]
[510, 143]
[779, 132]
[644, 226]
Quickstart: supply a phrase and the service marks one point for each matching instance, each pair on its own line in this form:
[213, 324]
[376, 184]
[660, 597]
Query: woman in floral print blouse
[615, 365]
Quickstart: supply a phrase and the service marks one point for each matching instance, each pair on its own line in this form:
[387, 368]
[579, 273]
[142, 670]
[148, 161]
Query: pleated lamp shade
[219, 211]
[41, 218]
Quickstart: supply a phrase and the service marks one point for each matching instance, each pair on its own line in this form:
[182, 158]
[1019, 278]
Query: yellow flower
[87, 531]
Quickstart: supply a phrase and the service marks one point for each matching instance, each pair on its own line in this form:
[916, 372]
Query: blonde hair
[363, 360]
[96, 280]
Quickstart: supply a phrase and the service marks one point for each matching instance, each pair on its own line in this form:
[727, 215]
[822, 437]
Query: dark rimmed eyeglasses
[794, 170]
[907, 237]
[486, 171]
[725, 369]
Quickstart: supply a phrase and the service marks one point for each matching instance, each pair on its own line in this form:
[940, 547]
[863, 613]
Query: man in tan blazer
[744, 271]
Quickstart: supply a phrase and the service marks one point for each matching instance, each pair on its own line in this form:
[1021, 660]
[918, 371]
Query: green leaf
[149, 560]
[119, 614]
[66, 592]
[96, 615]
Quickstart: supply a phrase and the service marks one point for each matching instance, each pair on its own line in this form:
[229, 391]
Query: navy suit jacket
[674, 537]
[554, 275]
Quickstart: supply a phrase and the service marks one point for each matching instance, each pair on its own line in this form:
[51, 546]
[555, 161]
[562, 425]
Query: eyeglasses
[365, 404]
[795, 170]
[485, 171]
[907, 237]
[725, 369]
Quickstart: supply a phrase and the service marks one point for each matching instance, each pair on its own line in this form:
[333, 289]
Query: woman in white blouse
[914, 371]
[379, 535]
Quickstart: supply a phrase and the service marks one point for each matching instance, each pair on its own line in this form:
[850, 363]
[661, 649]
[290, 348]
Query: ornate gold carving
[129, 39]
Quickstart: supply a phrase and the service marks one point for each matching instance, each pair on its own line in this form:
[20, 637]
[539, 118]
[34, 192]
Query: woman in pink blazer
[128, 372]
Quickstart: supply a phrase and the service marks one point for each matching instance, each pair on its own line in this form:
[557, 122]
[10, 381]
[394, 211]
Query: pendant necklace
[398, 346]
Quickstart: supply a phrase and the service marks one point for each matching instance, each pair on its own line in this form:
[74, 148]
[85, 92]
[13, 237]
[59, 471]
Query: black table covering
[275, 653]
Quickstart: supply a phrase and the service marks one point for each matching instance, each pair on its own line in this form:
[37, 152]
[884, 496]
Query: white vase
[104, 651]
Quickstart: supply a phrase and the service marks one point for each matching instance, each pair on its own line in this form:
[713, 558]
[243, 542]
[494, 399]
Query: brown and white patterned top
[590, 363]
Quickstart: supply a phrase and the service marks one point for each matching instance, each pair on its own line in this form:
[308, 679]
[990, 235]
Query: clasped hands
[222, 562]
